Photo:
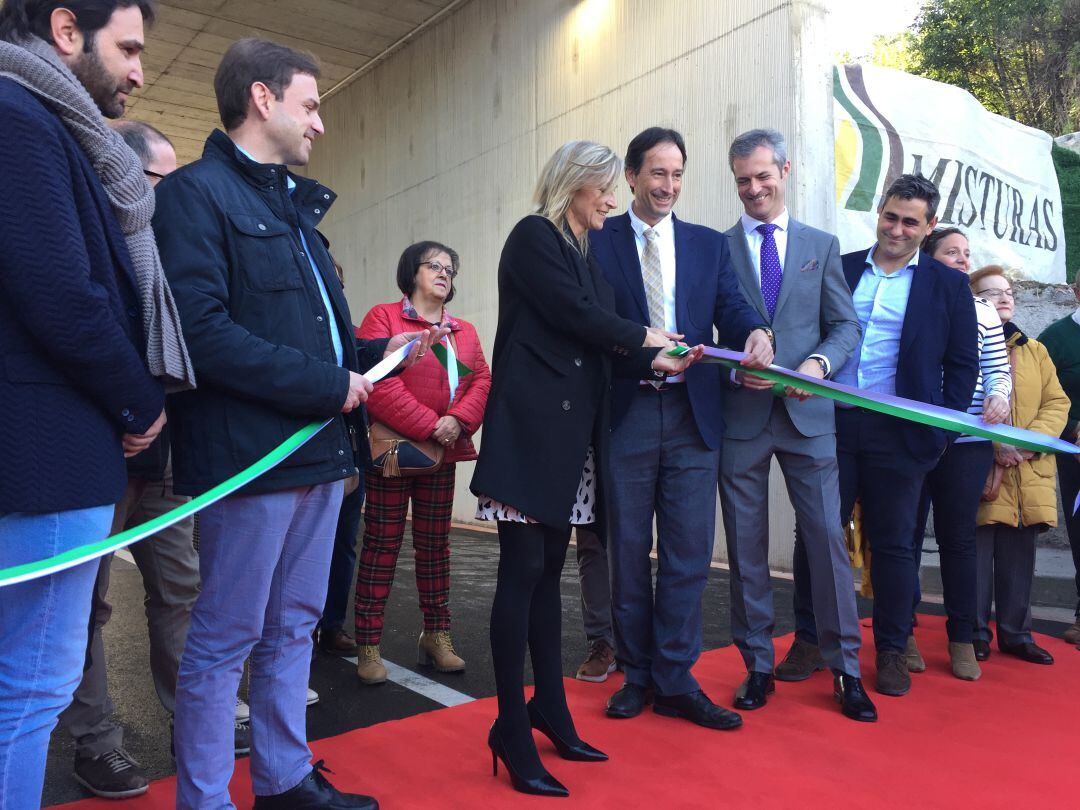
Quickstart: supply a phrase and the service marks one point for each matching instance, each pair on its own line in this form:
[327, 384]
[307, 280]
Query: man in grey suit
[791, 274]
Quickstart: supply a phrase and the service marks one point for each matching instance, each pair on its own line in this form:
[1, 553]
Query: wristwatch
[824, 366]
[769, 334]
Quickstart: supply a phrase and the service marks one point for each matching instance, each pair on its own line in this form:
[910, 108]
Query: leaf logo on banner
[867, 145]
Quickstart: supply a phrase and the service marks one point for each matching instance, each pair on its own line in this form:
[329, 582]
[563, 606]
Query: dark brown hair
[256, 60]
[411, 259]
[23, 18]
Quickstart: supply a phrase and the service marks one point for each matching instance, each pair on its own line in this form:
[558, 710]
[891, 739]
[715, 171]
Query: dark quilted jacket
[412, 402]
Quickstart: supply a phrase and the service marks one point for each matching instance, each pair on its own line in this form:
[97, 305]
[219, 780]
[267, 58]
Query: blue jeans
[43, 631]
[263, 561]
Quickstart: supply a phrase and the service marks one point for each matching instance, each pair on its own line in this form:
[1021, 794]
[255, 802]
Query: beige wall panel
[444, 139]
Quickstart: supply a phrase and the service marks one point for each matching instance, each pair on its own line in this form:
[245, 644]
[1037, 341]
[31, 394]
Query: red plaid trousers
[384, 529]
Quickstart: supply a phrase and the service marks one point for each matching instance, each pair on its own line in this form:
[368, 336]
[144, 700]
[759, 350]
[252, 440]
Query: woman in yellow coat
[1021, 496]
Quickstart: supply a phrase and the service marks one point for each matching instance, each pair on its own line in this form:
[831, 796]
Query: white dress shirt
[754, 239]
[665, 243]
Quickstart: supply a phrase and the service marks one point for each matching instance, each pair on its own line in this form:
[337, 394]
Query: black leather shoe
[982, 650]
[578, 751]
[628, 701]
[754, 691]
[697, 708]
[853, 700]
[543, 785]
[314, 791]
[1032, 653]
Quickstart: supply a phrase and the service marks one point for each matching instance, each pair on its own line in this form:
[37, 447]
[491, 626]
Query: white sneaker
[312, 697]
[243, 712]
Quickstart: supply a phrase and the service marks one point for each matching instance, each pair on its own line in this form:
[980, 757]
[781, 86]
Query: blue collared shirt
[331, 322]
[881, 301]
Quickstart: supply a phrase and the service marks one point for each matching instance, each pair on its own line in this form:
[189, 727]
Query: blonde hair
[975, 279]
[574, 166]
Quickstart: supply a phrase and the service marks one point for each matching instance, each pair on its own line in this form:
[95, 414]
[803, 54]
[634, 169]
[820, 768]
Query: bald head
[155, 151]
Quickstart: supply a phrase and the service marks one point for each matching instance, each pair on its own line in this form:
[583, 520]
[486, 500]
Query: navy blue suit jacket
[72, 376]
[706, 294]
[939, 356]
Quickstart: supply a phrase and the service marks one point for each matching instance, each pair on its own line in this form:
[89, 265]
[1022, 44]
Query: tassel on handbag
[398, 457]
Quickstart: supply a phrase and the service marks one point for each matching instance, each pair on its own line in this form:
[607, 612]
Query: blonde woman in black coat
[557, 344]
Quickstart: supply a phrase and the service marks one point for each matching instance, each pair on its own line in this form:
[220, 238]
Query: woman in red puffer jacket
[418, 405]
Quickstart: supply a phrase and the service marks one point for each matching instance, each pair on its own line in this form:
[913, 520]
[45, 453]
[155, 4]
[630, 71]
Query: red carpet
[1011, 740]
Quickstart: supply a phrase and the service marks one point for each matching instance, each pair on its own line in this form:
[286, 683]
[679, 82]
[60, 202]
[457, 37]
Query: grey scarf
[33, 63]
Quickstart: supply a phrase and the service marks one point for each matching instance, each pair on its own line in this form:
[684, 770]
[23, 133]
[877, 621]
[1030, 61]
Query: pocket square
[809, 266]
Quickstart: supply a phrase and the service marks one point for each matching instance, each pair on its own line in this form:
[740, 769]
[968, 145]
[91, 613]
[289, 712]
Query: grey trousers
[1004, 576]
[812, 478]
[170, 573]
[595, 581]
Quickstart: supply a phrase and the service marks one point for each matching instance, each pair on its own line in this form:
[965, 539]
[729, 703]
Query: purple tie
[771, 274]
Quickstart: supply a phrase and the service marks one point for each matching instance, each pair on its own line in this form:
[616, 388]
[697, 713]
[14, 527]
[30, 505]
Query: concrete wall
[445, 138]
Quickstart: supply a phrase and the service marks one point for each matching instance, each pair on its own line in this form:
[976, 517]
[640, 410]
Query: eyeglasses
[155, 175]
[996, 295]
[439, 269]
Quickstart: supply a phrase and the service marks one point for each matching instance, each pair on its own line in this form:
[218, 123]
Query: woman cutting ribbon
[426, 407]
[557, 341]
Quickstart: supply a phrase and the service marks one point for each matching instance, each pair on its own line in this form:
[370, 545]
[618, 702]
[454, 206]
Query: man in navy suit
[665, 437]
[918, 342]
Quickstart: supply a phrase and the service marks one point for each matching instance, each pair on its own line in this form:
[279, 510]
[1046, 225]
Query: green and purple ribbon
[908, 409]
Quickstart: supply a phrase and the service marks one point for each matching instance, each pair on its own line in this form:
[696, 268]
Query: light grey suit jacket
[814, 315]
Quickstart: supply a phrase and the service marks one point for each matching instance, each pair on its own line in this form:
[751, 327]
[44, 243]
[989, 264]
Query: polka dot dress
[583, 513]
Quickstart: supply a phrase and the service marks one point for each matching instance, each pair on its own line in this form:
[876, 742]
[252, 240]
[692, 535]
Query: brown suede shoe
[336, 642]
[913, 657]
[437, 650]
[599, 664]
[370, 668]
[893, 677]
[964, 664]
[1072, 635]
[802, 661]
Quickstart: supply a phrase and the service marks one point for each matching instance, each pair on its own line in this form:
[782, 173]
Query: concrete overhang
[189, 37]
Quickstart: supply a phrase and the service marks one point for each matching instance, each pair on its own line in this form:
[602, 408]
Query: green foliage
[1067, 164]
[1019, 58]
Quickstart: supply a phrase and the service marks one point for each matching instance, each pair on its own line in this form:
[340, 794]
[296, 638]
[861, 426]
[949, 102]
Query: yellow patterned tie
[653, 278]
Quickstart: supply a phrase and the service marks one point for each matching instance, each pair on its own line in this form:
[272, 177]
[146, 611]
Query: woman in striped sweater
[955, 485]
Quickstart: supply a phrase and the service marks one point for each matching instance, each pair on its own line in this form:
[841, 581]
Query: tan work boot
[1072, 635]
[437, 650]
[599, 664]
[913, 658]
[964, 665]
[369, 668]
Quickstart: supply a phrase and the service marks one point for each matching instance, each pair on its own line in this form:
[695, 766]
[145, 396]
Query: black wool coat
[557, 341]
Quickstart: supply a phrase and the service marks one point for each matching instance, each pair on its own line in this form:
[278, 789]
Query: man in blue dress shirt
[918, 341]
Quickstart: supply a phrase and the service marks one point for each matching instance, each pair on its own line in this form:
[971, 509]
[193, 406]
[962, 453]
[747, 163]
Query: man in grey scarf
[87, 324]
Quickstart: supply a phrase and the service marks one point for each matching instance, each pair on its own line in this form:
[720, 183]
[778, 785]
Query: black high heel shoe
[579, 751]
[543, 785]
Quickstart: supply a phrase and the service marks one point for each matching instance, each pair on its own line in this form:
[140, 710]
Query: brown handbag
[398, 457]
[993, 483]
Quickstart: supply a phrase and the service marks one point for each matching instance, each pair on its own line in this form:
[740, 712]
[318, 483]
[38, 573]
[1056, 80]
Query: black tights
[528, 609]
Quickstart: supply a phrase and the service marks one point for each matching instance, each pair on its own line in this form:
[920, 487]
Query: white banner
[996, 176]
